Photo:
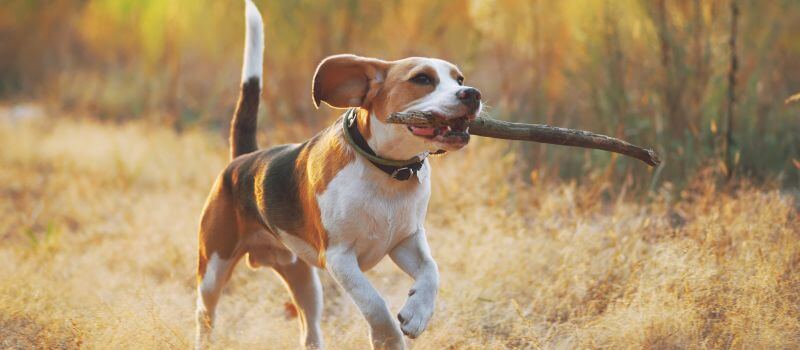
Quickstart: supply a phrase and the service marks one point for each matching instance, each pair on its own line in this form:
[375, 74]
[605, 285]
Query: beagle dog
[340, 201]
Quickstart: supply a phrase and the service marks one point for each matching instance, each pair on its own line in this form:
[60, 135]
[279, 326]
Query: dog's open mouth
[452, 130]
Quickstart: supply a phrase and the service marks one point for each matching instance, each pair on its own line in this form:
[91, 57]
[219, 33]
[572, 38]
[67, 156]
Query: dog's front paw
[415, 314]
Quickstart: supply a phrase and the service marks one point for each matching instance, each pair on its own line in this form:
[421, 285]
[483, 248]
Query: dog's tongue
[423, 131]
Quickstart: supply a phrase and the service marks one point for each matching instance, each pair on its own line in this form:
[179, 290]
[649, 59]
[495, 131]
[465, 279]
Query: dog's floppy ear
[348, 80]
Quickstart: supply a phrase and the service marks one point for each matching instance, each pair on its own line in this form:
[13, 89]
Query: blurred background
[653, 72]
[113, 125]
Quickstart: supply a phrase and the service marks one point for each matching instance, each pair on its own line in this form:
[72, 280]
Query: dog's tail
[243, 125]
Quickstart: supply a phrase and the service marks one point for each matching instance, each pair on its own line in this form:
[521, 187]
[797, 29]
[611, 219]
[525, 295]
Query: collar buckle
[403, 173]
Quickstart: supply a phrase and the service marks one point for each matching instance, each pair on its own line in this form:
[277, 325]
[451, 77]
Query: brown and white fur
[319, 205]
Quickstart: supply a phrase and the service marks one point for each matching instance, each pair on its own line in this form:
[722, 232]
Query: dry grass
[98, 251]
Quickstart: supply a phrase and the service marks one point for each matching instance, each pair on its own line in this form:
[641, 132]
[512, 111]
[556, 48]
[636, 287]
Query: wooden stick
[500, 129]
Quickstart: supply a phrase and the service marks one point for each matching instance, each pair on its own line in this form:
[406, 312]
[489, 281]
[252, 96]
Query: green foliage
[653, 72]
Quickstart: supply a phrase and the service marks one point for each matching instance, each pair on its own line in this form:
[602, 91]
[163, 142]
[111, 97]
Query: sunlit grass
[99, 242]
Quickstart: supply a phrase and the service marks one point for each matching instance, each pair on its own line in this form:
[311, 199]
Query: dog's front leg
[413, 256]
[384, 331]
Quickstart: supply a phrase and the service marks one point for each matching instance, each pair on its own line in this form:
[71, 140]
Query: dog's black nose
[470, 97]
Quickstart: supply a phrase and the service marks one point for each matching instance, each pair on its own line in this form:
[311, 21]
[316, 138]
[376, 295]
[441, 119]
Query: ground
[99, 247]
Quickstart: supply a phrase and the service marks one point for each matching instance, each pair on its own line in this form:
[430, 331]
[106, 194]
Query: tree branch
[500, 129]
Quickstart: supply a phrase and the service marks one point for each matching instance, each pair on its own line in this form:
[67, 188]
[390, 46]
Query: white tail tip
[253, 43]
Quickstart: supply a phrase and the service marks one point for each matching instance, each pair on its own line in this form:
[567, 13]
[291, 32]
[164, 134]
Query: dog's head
[411, 84]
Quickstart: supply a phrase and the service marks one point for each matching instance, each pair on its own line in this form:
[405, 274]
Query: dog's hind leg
[209, 288]
[303, 283]
[218, 255]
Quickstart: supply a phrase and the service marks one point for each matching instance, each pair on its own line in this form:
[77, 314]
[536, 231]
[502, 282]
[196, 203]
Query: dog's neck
[390, 141]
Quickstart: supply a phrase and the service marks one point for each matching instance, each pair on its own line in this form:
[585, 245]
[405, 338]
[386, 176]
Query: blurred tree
[734, 66]
[654, 72]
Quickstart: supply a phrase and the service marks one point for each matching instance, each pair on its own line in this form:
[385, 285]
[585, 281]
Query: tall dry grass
[98, 248]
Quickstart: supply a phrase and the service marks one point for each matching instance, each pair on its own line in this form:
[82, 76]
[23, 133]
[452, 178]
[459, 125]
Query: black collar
[398, 170]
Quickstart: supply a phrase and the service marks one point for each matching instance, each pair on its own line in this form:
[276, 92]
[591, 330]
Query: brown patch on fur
[323, 158]
[397, 91]
[220, 227]
[218, 213]
[362, 122]
[455, 73]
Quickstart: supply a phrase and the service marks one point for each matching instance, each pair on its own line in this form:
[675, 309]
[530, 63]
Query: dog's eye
[422, 79]
[460, 80]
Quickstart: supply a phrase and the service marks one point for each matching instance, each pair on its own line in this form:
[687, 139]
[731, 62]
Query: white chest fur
[362, 210]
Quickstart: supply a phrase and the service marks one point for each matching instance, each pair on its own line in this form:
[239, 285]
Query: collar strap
[397, 169]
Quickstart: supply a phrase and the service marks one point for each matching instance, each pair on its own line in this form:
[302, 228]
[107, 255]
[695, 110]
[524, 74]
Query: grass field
[98, 250]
